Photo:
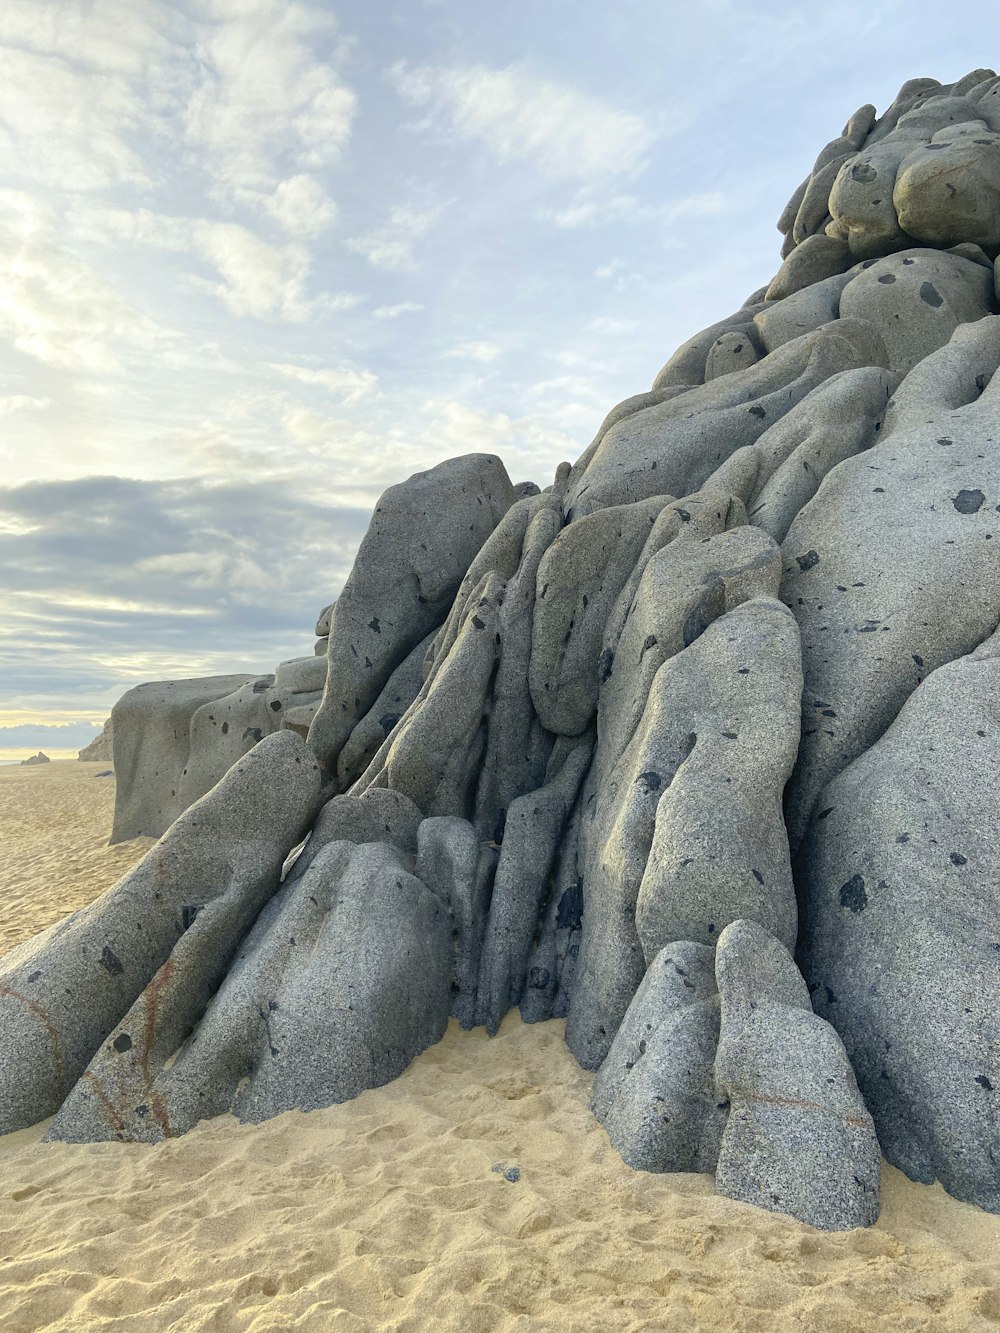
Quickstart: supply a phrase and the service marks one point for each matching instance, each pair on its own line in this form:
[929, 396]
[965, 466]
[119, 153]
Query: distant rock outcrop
[101, 748]
[598, 751]
[38, 758]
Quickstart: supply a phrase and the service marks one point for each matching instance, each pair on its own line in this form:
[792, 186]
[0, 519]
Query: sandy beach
[475, 1193]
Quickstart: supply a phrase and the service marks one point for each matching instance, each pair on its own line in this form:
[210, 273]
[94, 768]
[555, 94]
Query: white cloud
[264, 95]
[519, 115]
[22, 402]
[591, 207]
[350, 384]
[301, 206]
[53, 306]
[482, 352]
[391, 245]
[257, 278]
[394, 311]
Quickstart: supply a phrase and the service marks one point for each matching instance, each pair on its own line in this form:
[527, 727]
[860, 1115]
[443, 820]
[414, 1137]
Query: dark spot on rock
[111, 962]
[709, 607]
[731, 735]
[743, 671]
[388, 722]
[823, 813]
[604, 665]
[908, 262]
[830, 997]
[807, 561]
[479, 624]
[225, 728]
[275, 705]
[259, 686]
[569, 913]
[758, 411]
[122, 1043]
[918, 659]
[684, 516]
[863, 172]
[142, 1110]
[887, 278]
[188, 913]
[852, 894]
[902, 837]
[649, 642]
[513, 1174]
[33, 976]
[253, 734]
[969, 502]
[374, 626]
[711, 927]
[757, 876]
[829, 712]
[930, 294]
[957, 859]
[984, 1082]
[538, 978]
[945, 440]
[650, 780]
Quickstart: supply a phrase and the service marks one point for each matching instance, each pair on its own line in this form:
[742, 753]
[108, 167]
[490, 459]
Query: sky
[260, 259]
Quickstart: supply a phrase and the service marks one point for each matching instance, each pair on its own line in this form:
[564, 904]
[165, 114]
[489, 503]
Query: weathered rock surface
[406, 573]
[798, 1138]
[901, 940]
[565, 737]
[101, 748]
[197, 891]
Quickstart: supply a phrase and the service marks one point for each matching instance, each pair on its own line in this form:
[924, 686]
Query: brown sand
[389, 1212]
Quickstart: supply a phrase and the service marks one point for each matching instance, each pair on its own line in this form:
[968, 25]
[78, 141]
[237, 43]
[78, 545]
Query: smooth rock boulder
[893, 568]
[674, 447]
[798, 1138]
[901, 926]
[406, 573]
[152, 742]
[917, 299]
[64, 991]
[684, 833]
[344, 978]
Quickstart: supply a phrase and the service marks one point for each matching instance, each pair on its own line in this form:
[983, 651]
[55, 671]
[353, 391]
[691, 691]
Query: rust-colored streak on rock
[117, 1123]
[59, 1090]
[760, 1099]
[151, 1000]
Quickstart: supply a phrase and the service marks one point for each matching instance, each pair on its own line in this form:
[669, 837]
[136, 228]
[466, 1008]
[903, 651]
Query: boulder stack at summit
[697, 747]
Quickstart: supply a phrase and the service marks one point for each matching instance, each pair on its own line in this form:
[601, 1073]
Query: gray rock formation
[101, 748]
[721, 1065]
[38, 758]
[594, 749]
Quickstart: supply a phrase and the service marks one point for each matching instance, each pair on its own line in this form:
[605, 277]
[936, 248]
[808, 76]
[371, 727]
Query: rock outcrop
[597, 750]
[101, 748]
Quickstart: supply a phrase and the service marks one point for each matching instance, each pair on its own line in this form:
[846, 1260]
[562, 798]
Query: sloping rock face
[621, 750]
[101, 748]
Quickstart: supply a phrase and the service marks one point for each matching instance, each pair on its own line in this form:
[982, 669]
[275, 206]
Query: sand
[398, 1210]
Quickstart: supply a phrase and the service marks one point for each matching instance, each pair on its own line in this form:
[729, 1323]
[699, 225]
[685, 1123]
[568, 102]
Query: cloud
[348, 383]
[247, 94]
[519, 115]
[301, 206]
[255, 278]
[394, 311]
[391, 246]
[54, 307]
[22, 402]
[264, 96]
[482, 352]
[591, 207]
[111, 580]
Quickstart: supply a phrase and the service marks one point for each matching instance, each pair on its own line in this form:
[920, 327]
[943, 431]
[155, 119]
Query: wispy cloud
[392, 245]
[483, 352]
[394, 311]
[348, 383]
[519, 115]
